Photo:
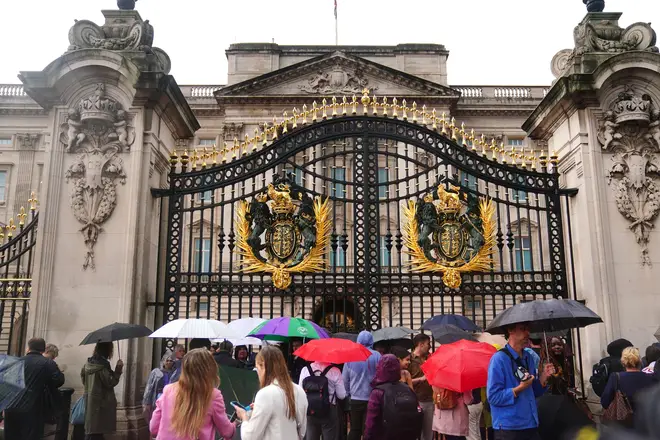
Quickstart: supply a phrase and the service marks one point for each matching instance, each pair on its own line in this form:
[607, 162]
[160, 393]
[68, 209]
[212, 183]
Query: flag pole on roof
[336, 27]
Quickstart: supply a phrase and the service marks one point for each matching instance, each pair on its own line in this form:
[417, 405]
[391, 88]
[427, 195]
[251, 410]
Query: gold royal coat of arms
[283, 231]
[450, 232]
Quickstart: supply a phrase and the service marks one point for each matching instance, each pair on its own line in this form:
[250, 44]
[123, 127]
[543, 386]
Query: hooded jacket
[101, 406]
[387, 371]
[358, 375]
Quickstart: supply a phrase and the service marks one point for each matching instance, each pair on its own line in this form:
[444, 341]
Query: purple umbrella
[285, 328]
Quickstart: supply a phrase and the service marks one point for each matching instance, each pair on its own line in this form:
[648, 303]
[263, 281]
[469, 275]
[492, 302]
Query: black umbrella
[545, 316]
[116, 332]
[343, 335]
[541, 335]
[12, 379]
[448, 333]
[459, 321]
[392, 333]
[559, 416]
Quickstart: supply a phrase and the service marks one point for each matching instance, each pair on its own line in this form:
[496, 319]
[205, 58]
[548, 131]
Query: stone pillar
[115, 115]
[27, 147]
[602, 118]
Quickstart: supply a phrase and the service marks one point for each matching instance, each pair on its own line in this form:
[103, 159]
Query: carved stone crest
[338, 81]
[280, 237]
[631, 131]
[97, 130]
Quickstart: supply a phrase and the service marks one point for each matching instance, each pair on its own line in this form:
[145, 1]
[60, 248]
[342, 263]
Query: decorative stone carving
[232, 131]
[339, 81]
[599, 33]
[98, 130]
[28, 141]
[123, 31]
[631, 131]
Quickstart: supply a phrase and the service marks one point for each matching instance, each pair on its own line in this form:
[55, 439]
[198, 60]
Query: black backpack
[402, 415]
[599, 376]
[318, 392]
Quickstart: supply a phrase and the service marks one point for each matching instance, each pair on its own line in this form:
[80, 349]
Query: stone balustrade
[199, 91]
[12, 90]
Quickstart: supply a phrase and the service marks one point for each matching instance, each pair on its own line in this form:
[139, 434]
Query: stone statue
[74, 133]
[654, 128]
[121, 129]
[608, 131]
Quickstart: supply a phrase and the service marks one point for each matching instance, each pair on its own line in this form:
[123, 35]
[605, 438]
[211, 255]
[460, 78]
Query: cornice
[23, 112]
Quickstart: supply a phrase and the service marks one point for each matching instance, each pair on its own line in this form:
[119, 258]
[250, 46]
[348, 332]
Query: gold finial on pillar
[314, 111]
[214, 154]
[203, 158]
[424, 114]
[463, 134]
[365, 98]
[452, 128]
[274, 128]
[395, 106]
[184, 160]
[502, 153]
[472, 140]
[354, 105]
[234, 148]
[264, 141]
[334, 106]
[225, 151]
[374, 106]
[11, 227]
[21, 217]
[443, 122]
[344, 105]
[304, 114]
[256, 140]
[404, 110]
[385, 105]
[414, 112]
[295, 117]
[193, 160]
[285, 128]
[324, 108]
[246, 144]
[434, 120]
[174, 159]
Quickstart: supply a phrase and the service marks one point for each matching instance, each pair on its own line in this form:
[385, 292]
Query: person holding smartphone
[514, 383]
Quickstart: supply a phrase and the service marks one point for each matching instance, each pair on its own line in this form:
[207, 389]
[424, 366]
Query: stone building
[141, 184]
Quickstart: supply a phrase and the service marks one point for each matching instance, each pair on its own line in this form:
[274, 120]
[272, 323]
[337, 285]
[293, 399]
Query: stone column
[115, 115]
[602, 118]
[27, 147]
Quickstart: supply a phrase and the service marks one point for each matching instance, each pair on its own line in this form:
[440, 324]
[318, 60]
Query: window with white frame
[295, 174]
[207, 142]
[338, 257]
[338, 190]
[3, 186]
[522, 251]
[519, 195]
[382, 178]
[202, 255]
[472, 304]
[204, 196]
[516, 142]
[5, 140]
[203, 306]
[385, 254]
[468, 180]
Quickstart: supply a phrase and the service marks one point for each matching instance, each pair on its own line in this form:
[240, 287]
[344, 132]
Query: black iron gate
[370, 159]
[17, 254]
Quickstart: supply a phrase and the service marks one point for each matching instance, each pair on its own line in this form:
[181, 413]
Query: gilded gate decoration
[450, 231]
[296, 237]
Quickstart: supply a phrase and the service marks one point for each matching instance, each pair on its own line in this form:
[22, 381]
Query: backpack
[599, 377]
[402, 415]
[318, 392]
[447, 399]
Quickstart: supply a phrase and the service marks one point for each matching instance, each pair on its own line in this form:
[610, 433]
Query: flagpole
[336, 26]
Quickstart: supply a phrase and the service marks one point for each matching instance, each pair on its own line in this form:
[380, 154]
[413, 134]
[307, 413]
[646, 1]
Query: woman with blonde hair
[193, 407]
[280, 407]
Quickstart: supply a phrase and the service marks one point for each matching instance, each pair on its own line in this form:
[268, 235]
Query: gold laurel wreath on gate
[314, 261]
[481, 262]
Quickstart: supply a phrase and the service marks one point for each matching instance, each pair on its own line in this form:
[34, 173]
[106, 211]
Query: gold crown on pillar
[98, 107]
[450, 203]
[281, 195]
[630, 106]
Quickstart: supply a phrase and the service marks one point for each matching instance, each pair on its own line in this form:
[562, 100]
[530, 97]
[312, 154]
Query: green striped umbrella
[284, 328]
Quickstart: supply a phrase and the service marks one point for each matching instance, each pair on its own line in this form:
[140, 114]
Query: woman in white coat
[279, 410]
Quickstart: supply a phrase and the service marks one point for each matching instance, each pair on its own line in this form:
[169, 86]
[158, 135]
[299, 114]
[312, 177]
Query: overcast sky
[491, 42]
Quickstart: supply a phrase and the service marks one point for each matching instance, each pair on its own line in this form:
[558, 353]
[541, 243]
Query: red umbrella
[333, 351]
[461, 366]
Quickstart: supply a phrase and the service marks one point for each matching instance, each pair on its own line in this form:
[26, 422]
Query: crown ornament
[630, 106]
[450, 203]
[280, 194]
[98, 108]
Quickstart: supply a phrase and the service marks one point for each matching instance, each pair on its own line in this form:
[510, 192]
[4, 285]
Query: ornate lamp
[594, 5]
[127, 5]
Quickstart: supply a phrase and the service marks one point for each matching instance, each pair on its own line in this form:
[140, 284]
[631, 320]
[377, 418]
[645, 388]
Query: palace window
[516, 142]
[202, 255]
[3, 186]
[519, 195]
[204, 196]
[5, 140]
[385, 254]
[207, 142]
[382, 178]
[295, 174]
[472, 304]
[523, 254]
[338, 190]
[468, 180]
[203, 306]
[338, 257]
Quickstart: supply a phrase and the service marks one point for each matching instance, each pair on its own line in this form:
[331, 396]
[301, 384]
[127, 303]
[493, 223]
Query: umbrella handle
[118, 350]
[547, 351]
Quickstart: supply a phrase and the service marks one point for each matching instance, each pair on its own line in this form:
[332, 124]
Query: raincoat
[387, 371]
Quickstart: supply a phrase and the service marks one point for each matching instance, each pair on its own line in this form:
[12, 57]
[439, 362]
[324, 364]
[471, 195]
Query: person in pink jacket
[193, 407]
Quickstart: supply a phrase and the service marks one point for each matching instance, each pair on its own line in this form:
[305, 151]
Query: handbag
[78, 411]
[620, 409]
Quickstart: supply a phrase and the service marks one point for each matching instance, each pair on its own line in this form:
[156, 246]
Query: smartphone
[234, 403]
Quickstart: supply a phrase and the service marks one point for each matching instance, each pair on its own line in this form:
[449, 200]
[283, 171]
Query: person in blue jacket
[357, 381]
[514, 384]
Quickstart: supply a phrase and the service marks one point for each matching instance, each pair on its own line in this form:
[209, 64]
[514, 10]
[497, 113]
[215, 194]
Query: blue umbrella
[459, 321]
[12, 379]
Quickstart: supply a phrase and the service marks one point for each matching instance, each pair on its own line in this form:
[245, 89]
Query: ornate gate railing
[380, 165]
[18, 240]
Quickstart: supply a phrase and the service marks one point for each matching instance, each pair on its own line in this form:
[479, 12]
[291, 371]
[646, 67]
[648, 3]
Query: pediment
[336, 74]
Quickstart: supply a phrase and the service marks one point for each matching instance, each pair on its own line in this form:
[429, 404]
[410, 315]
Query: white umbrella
[244, 326]
[194, 328]
[242, 341]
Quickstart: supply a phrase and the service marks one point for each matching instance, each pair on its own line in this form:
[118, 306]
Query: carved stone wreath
[631, 131]
[98, 130]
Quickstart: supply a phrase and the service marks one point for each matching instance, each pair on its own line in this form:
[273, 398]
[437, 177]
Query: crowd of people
[386, 396]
